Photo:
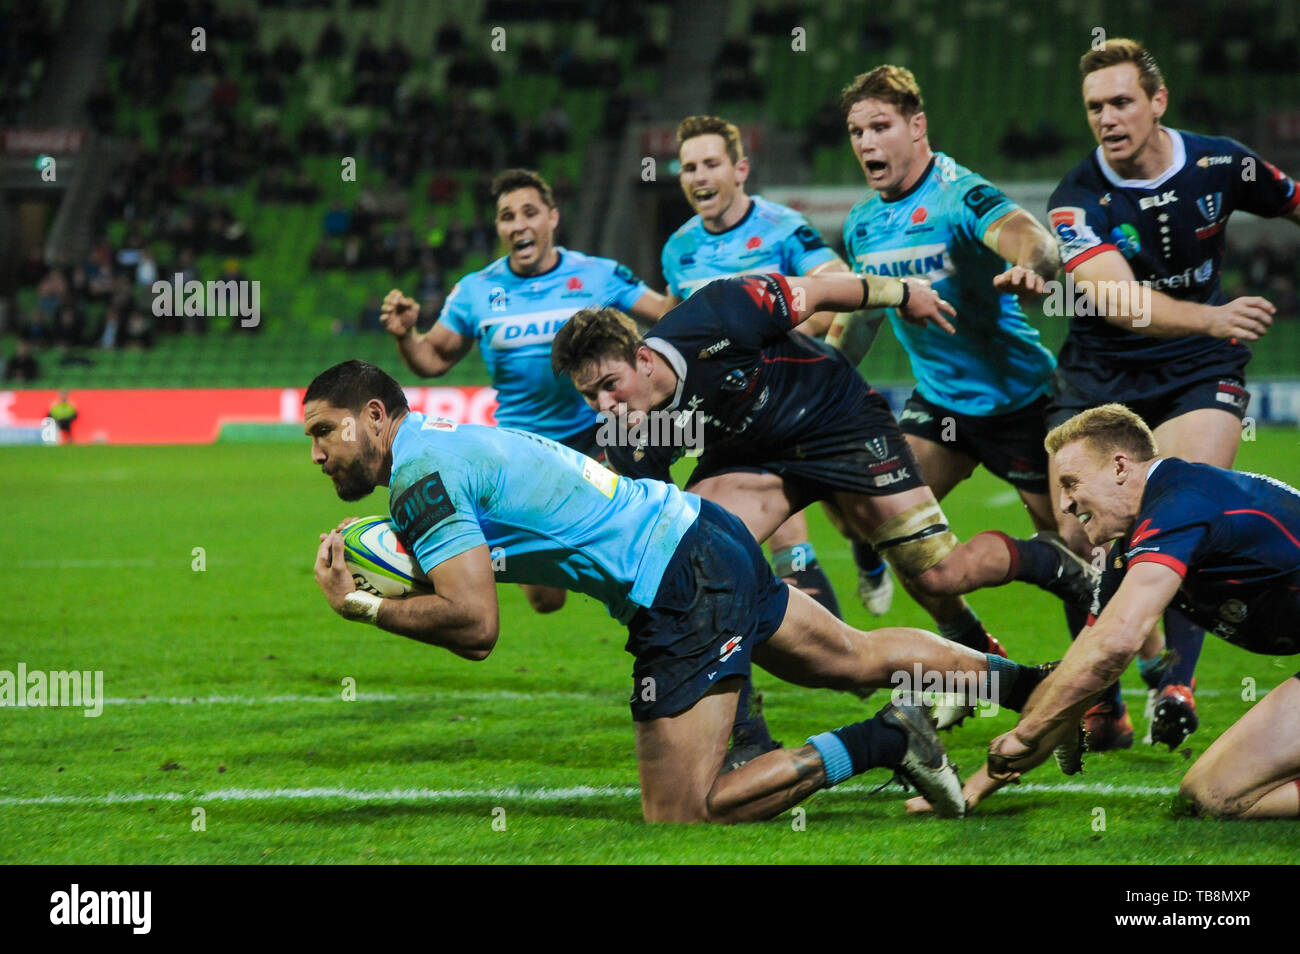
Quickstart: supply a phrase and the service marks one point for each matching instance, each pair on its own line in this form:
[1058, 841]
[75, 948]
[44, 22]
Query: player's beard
[356, 479]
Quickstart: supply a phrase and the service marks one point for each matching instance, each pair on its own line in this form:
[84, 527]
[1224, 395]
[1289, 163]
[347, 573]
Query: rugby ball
[378, 562]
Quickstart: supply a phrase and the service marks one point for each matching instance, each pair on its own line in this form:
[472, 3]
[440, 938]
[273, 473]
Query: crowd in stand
[26, 43]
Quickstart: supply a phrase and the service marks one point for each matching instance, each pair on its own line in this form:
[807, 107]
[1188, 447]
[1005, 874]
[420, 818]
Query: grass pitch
[226, 689]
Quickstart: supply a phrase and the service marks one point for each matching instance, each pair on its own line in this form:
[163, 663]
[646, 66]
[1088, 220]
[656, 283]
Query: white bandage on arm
[883, 291]
[916, 539]
[362, 607]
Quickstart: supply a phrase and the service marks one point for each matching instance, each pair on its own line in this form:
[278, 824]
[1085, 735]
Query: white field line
[1003, 498]
[433, 695]
[77, 563]
[509, 794]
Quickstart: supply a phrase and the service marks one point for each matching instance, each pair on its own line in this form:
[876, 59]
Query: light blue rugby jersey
[995, 363]
[770, 238]
[548, 514]
[515, 320]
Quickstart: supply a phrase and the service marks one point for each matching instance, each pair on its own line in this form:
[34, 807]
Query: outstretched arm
[819, 323]
[916, 300]
[1095, 659]
[1020, 239]
[1108, 280]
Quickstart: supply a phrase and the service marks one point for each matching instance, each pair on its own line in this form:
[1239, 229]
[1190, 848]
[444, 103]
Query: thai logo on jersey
[1206, 161]
[929, 261]
[498, 300]
[1210, 206]
[713, 349]
[1126, 239]
[1072, 231]
[520, 331]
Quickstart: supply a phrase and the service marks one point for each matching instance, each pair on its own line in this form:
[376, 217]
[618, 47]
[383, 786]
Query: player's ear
[1160, 102]
[742, 170]
[919, 126]
[553, 216]
[1123, 466]
[645, 360]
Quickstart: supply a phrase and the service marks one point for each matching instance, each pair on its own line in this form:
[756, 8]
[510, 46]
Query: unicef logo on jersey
[497, 299]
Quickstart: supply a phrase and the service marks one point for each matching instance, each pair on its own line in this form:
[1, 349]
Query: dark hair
[513, 179]
[594, 334]
[351, 384]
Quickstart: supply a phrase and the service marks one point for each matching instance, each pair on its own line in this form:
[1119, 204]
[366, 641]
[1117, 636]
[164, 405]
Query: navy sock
[1183, 639]
[1152, 671]
[966, 630]
[852, 749]
[1015, 682]
[1113, 696]
[749, 727]
[867, 559]
[1032, 561]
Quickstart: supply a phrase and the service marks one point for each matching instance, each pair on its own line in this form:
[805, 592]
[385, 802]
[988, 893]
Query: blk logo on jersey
[1155, 201]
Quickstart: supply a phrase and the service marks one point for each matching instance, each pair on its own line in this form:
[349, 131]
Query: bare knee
[1199, 795]
[675, 811]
